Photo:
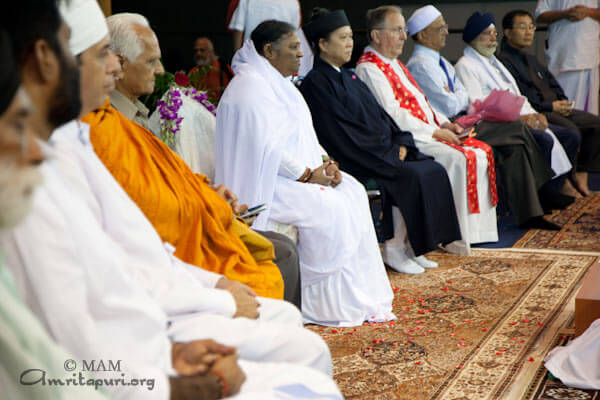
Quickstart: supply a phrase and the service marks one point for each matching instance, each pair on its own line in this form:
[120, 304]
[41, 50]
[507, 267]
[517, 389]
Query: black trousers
[588, 125]
[286, 259]
[522, 165]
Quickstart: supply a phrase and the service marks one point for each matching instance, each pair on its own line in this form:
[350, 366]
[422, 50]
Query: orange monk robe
[181, 205]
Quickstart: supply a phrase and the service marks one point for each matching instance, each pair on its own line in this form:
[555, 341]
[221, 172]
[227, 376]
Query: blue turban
[476, 24]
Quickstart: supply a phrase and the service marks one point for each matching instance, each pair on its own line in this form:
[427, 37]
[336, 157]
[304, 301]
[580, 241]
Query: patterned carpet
[581, 228]
[465, 330]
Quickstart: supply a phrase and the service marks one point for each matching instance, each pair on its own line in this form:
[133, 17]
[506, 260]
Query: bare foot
[569, 190]
[581, 183]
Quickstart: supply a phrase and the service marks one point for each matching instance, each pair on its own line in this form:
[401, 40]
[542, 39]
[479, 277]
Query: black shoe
[540, 223]
[555, 200]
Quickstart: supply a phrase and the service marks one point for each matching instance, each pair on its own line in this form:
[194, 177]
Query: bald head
[204, 52]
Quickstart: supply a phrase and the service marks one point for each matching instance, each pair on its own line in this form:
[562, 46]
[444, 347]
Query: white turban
[421, 19]
[87, 23]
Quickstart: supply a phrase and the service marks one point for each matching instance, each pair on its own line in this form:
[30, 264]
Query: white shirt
[73, 277]
[424, 65]
[250, 13]
[375, 79]
[480, 75]
[571, 45]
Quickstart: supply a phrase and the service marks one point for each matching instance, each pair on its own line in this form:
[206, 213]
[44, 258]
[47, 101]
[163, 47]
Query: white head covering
[87, 23]
[421, 19]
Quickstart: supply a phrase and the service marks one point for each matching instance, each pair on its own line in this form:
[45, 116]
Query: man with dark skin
[50, 75]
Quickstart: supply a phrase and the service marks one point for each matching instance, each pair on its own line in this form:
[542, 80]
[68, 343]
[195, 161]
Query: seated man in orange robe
[185, 210]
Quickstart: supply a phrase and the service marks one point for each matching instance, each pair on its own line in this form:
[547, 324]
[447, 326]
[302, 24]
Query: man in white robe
[107, 313]
[573, 42]
[481, 72]
[24, 342]
[387, 34]
[267, 152]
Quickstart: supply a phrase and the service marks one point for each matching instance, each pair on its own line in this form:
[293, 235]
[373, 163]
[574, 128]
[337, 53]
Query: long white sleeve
[290, 168]
[381, 89]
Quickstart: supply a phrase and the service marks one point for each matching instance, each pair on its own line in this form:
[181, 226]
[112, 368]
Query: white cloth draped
[195, 140]
[578, 363]
[481, 75]
[474, 228]
[260, 117]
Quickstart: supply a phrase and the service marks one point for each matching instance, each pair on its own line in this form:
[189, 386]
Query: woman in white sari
[266, 151]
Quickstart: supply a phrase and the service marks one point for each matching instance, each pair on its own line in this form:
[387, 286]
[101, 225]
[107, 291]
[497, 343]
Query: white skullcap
[87, 23]
[421, 19]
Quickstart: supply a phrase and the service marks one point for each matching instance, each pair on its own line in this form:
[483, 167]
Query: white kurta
[250, 13]
[195, 140]
[196, 310]
[76, 279]
[573, 55]
[481, 75]
[260, 117]
[474, 228]
[83, 296]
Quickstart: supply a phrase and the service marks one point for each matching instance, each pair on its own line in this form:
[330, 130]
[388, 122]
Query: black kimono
[365, 140]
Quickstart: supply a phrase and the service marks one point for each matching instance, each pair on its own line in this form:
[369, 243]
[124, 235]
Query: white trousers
[582, 87]
[266, 381]
[397, 250]
[474, 228]
[277, 336]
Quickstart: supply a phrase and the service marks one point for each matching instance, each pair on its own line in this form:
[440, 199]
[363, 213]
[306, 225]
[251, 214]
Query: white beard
[17, 185]
[485, 51]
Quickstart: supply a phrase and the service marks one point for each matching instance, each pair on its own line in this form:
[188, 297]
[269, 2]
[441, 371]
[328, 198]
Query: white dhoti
[267, 381]
[559, 160]
[343, 277]
[277, 336]
[474, 228]
[582, 87]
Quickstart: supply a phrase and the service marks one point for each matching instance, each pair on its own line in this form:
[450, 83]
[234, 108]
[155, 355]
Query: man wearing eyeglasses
[546, 95]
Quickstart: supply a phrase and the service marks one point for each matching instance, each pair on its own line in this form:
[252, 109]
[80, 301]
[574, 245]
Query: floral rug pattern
[463, 331]
[580, 232]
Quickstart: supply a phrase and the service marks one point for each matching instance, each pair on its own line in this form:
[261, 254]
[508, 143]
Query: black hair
[509, 19]
[27, 21]
[316, 13]
[269, 31]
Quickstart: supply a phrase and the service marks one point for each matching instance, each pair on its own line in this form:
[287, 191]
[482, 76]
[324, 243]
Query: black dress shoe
[540, 223]
[552, 200]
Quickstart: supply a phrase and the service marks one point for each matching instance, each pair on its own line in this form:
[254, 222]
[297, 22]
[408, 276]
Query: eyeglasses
[441, 29]
[523, 27]
[398, 31]
[490, 33]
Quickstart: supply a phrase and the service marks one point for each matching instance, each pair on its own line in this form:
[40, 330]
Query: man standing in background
[573, 52]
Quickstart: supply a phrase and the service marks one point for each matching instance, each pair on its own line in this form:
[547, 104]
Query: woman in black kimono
[367, 143]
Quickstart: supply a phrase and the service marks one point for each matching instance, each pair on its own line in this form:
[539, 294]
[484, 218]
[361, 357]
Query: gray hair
[123, 38]
[376, 17]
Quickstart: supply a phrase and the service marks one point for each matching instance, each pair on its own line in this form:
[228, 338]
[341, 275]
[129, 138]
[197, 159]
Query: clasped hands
[195, 361]
[328, 174]
[535, 121]
[449, 132]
